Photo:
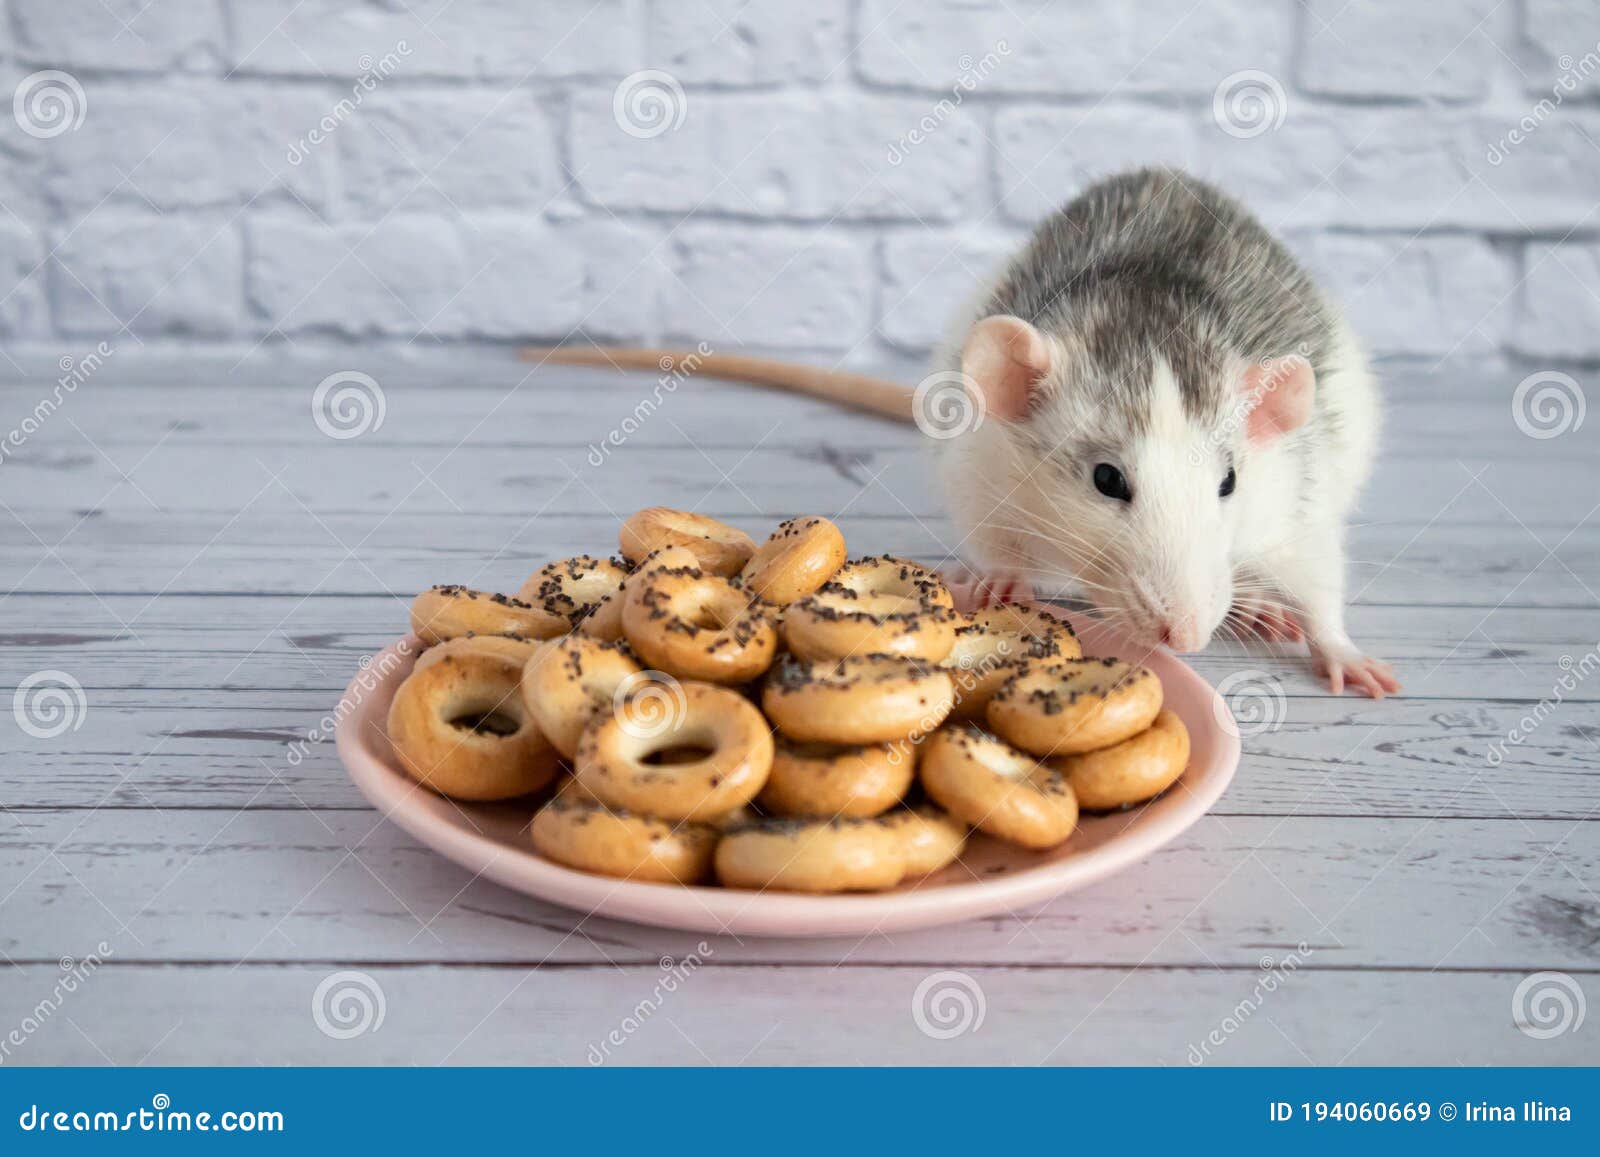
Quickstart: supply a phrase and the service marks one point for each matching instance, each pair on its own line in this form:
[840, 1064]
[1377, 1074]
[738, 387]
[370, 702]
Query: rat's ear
[1280, 393]
[1007, 358]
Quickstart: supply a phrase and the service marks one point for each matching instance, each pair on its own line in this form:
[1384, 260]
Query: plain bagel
[458, 726]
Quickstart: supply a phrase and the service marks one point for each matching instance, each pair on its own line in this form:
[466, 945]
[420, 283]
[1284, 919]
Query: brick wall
[826, 177]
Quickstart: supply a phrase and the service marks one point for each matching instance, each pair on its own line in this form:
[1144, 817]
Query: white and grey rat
[1176, 421]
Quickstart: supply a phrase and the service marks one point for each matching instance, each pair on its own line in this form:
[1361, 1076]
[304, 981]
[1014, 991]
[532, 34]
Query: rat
[1163, 416]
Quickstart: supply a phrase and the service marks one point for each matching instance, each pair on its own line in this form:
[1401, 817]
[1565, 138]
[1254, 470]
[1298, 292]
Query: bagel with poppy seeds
[801, 555]
[1068, 706]
[862, 699]
[696, 625]
[449, 612]
[990, 784]
[818, 855]
[572, 588]
[719, 548]
[823, 779]
[993, 643]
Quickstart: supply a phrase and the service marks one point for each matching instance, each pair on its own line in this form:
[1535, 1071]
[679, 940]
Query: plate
[991, 878]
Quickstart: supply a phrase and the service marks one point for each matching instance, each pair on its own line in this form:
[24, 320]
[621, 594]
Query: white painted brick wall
[842, 174]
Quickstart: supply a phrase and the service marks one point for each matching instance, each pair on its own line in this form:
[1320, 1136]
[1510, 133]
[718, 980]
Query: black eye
[1228, 483]
[1108, 480]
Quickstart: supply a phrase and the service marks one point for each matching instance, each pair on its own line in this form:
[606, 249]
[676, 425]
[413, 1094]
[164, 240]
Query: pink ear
[1281, 392]
[1006, 357]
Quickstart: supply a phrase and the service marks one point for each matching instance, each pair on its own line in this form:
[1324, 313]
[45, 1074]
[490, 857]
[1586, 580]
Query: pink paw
[974, 592]
[1271, 621]
[1343, 664]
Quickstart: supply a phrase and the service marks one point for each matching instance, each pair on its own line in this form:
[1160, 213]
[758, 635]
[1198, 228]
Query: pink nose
[1181, 634]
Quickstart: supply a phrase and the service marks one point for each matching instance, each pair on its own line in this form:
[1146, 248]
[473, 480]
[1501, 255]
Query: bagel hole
[676, 755]
[490, 722]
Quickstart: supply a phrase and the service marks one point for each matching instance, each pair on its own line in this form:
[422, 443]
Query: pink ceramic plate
[991, 877]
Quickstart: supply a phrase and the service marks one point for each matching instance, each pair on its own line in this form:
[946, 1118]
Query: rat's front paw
[973, 592]
[1343, 663]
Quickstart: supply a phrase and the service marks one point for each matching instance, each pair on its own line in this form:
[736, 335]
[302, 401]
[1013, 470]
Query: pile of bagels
[770, 716]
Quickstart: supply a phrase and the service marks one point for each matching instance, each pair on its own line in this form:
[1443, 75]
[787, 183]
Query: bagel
[594, 838]
[459, 726]
[449, 612]
[818, 779]
[837, 622]
[568, 680]
[862, 699]
[886, 575]
[619, 759]
[1132, 771]
[1068, 706]
[932, 837]
[838, 855]
[719, 548]
[801, 555]
[572, 588]
[696, 625]
[991, 644]
[513, 650]
[1007, 793]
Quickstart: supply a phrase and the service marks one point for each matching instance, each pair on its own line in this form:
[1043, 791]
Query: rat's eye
[1108, 480]
[1228, 483]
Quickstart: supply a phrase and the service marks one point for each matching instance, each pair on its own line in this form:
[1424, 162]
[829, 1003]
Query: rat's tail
[875, 395]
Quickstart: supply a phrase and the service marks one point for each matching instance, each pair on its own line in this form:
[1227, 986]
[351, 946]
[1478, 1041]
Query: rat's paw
[1343, 664]
[1273, 622]
[974, 592]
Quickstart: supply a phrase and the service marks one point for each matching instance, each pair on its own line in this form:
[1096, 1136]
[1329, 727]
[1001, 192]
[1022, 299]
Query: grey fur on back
[1156, 263]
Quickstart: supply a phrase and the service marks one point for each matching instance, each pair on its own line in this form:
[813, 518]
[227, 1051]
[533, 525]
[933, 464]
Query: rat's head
[1133, 463]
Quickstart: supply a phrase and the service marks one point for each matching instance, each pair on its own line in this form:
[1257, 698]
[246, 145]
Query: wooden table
[189, 547]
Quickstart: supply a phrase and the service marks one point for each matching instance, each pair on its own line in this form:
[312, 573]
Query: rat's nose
[1181, 634]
